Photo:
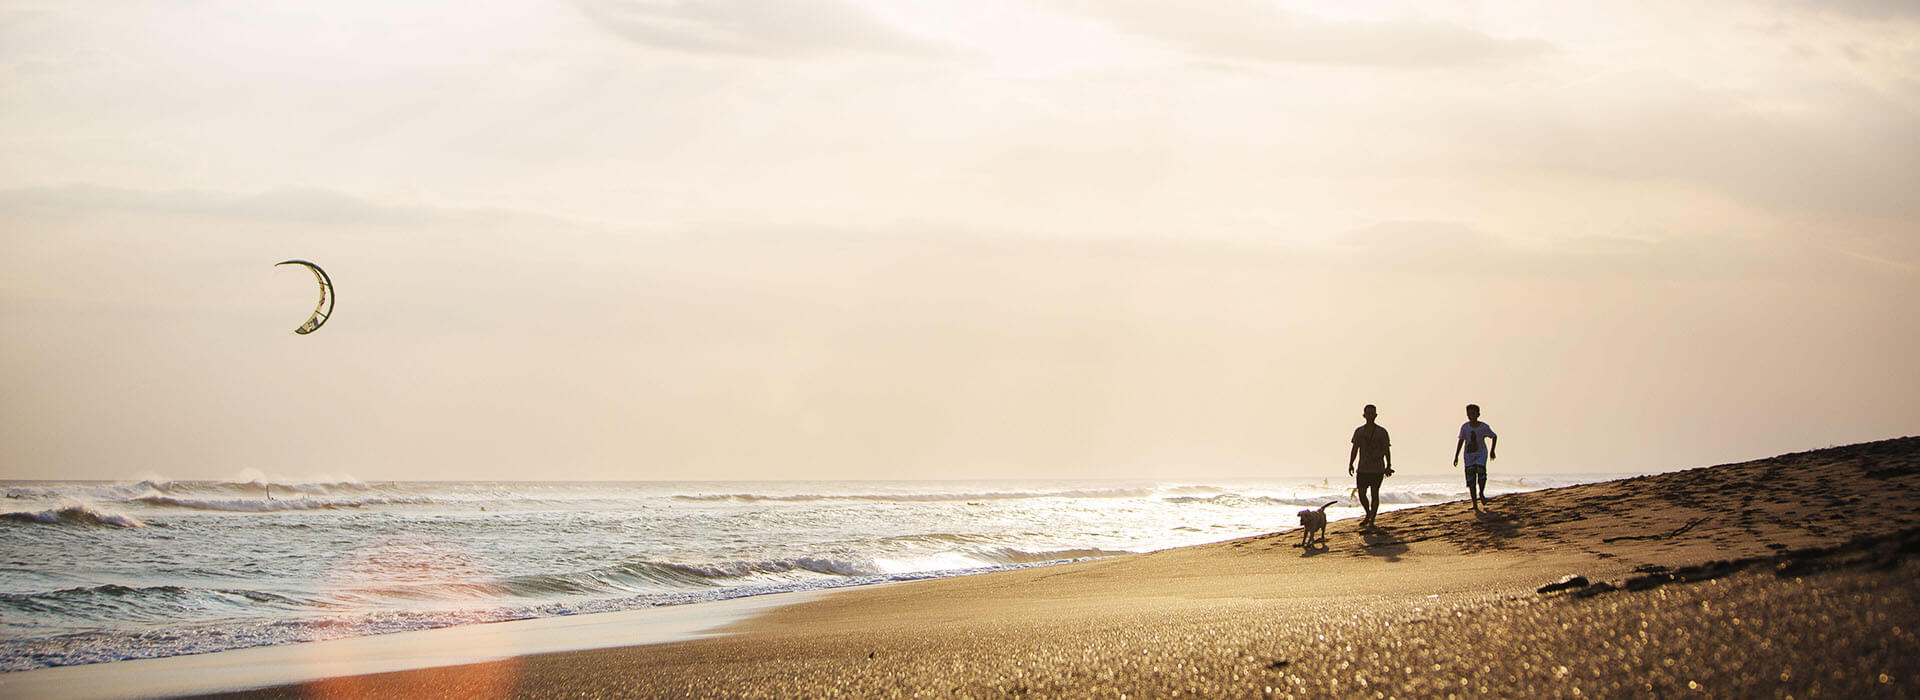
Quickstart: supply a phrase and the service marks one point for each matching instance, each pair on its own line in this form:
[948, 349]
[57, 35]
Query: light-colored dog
[1313, 524]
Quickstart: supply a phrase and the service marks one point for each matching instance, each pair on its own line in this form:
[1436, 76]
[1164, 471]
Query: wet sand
[1791, 576]
[262, 666]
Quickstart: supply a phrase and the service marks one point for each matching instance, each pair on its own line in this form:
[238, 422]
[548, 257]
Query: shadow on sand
[1381, 542]
[1496, 523]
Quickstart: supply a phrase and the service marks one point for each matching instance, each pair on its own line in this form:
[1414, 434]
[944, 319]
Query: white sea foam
[316, 484]
[924, 497]
[88, 492]
[76, 514]
[270, 504]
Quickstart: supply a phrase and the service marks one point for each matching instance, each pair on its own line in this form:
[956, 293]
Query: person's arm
[1493, 448]
[1388, 449]
[1457, 445]
[1355, 452]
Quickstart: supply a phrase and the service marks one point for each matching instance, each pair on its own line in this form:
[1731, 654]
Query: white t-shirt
[1476, 441]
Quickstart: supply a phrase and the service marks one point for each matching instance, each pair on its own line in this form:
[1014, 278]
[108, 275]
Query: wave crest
[118, 602]
[924, 497]
[270, 504]
[75, 514]
[650, 575]
[323, 483]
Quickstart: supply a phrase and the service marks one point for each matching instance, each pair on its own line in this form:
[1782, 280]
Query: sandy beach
[1783, 577]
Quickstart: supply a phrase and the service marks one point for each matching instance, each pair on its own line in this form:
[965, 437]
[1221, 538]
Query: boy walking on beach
[1473, 436]
[1375, 454]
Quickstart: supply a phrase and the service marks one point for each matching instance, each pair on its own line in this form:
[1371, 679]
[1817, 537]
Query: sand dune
[1789, 576]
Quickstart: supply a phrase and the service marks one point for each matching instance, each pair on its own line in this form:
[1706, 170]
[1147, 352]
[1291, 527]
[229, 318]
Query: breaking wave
[319, 485]
[1234, 499]
[75, 514]
[157, 603]
[925, 497]
[137, 489]
[1315, 500]
[119, 491]
[648, 575]
[270, 504]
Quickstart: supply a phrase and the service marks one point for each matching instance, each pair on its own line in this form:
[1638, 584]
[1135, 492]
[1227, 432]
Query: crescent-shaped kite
[325, 309]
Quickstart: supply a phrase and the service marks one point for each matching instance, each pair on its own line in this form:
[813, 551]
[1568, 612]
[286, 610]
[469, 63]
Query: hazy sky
[622, 239]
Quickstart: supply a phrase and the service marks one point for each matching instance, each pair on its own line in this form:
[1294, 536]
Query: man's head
[1473, 411]
[1369, 412]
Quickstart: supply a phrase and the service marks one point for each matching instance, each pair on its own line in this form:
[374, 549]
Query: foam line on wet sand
[259, 667]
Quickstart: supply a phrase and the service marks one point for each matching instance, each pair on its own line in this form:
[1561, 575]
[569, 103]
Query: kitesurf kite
[325, 309]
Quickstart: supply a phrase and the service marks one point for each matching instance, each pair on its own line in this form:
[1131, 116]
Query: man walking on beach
[1375, 454]
[1473, 436]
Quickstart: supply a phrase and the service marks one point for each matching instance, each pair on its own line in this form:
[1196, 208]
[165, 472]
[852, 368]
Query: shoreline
[287, 664]
[1783, 576]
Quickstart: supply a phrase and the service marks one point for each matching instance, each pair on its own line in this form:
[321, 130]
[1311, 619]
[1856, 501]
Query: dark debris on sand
[1866, 551]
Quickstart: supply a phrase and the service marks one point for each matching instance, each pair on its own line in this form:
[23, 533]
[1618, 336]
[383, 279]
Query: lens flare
[399, 577]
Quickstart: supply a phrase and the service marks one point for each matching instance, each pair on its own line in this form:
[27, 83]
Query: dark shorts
[1366, 479]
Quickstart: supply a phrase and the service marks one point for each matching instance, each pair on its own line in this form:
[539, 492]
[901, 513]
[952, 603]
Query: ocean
[105, 571]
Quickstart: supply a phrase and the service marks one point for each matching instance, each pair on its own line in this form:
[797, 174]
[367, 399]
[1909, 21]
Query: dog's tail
[1323, 509]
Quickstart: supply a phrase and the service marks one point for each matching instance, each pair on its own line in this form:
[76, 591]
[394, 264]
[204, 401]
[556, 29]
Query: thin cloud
[1905, 10]
[302, 205]
[1419, 237]
[1246, 30]
[1852, 153]
[758, 28]
[1424, 247]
